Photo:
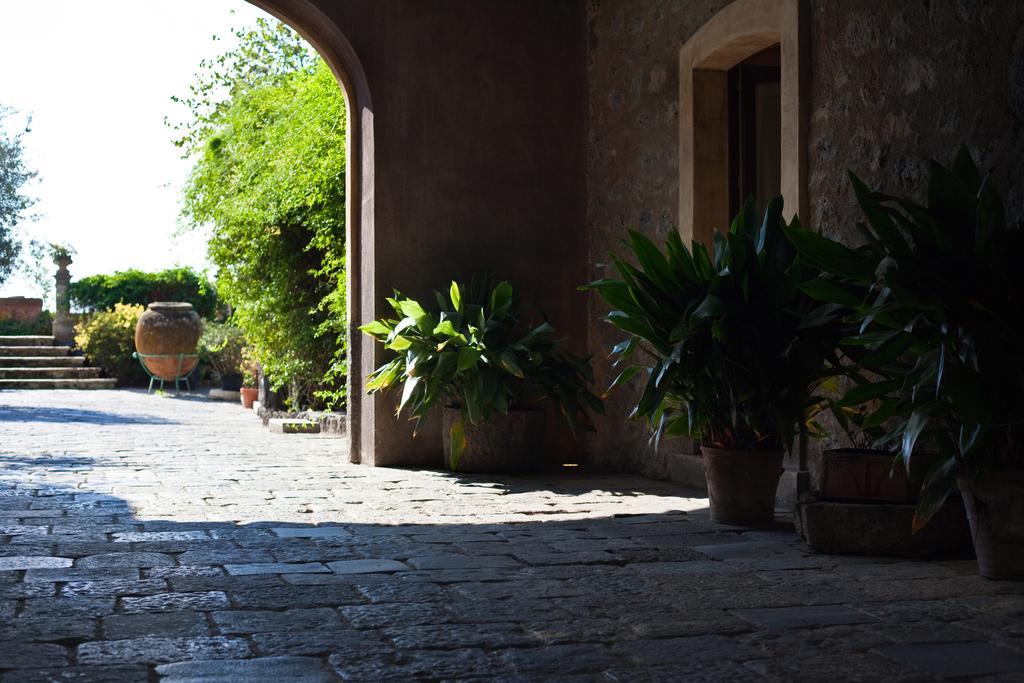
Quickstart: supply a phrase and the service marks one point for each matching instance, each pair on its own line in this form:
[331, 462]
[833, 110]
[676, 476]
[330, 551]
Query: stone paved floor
[146, 538]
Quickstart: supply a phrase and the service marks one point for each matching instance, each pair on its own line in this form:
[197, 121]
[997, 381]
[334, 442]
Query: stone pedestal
[63, 324]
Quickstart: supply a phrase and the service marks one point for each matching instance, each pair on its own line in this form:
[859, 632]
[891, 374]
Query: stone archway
[739, 31]
[334, 47]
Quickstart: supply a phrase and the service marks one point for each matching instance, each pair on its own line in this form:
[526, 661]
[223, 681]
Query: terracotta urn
[168, 330]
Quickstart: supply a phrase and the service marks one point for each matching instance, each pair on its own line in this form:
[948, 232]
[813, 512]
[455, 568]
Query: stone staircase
[36, 363]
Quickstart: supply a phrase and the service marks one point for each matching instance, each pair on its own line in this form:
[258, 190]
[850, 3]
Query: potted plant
[942, 324]
[733, 351]
[221, 346]
[472, 356]
[862, 470]
[250, 378]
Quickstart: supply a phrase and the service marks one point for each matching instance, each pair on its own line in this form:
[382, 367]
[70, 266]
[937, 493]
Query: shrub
[108, 340]
[42, 325]
[221, 347]
[102, 292]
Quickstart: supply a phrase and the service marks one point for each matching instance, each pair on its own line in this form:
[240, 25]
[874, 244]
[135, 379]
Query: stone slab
[311, 532]
[366, 566]
[276, 568]
[282, 426]
[19, 562]
[292, 669]
[803, 617]
[882, 529]
[224, 395]
[955, 660]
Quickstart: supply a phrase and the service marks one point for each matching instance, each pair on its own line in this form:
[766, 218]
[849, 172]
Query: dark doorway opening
[755, 129]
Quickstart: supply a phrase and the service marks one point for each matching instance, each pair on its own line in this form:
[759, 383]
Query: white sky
[97, 78]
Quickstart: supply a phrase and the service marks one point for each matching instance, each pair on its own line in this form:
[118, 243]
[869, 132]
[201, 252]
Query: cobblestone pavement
[146, 538]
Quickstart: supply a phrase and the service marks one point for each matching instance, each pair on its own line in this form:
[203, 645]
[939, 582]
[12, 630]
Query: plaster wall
[892, 84]
[479, 131]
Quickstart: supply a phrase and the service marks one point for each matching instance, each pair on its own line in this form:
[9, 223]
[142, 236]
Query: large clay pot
[742, 485]
[248, 396]
[995, 509]
[872, 476]
[168, 328]
[502, 443]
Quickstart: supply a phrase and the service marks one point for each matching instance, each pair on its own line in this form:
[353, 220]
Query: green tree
[13, 200]
[266, 137]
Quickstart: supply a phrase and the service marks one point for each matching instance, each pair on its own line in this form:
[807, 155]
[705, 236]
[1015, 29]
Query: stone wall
[895, 84]
[23, 309]
[892, 84]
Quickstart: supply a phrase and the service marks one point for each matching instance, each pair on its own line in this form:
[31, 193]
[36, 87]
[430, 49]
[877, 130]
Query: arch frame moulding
[740, 30]
[320, 31]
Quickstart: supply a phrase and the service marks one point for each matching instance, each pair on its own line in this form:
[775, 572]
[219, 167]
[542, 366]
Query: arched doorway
[327, 39]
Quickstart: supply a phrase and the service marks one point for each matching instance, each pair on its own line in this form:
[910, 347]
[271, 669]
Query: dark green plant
[733, 350]
[473, 352]
[938, 292]
[102, 292]
[221, 347]
[42, 325]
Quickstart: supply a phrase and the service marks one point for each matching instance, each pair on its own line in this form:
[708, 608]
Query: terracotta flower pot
[742, 485]
[168, 328]
[503, 443]
[248, 396]
[864, 475]
[995, 510]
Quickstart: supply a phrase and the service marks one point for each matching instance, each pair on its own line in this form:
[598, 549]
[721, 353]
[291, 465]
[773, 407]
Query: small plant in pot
[733, 351]
[865, 469]
[250, 379]
[472, 356]
[221, 347]
[939, 290]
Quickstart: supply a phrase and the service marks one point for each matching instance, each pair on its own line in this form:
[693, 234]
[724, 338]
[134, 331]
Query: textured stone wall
[895, 84]
[632, 173]
[892, 84]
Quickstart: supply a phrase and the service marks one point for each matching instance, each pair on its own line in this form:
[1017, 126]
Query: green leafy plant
[938, 291]
[108, 340]
[265, 133]
[221, 346]
[103, 292]
[43, 324]
[249, 368]
[473, 352]
[732, 348]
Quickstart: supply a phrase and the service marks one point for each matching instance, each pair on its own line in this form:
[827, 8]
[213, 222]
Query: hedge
[102, 292]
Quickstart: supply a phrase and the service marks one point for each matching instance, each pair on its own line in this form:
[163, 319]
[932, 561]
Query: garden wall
[892, 84]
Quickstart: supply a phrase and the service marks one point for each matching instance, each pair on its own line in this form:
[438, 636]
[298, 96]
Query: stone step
[57, 383]
[25, 340]
[41, 361]
[73, 372]
[33, 351]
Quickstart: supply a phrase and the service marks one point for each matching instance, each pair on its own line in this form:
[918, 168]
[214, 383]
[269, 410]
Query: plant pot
[168, 330]
[231, 381]
[864, 475]
[248, 396]
[742, 485]
[994, 502]
[503, 443]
